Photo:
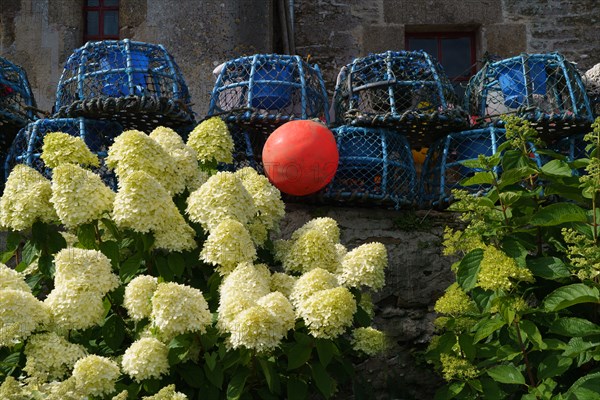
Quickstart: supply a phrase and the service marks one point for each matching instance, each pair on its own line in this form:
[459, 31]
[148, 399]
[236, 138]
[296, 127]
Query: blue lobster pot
[512, 79]
[116, 84]
[270, 89]
[376, 166]
[97, 135]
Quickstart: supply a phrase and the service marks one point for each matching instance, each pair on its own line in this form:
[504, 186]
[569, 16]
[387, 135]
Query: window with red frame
[101, 19]
[454, 50]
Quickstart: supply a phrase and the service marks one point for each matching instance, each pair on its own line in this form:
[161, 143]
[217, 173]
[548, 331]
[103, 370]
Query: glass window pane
[111, 23]
[92, 23]
[456, 57]
[429, 45]
[111, 3]
[93, 3]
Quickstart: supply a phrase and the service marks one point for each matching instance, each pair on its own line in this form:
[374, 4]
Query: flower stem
[525, 358]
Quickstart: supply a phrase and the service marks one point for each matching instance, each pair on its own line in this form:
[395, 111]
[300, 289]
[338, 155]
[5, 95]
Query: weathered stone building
[40, 35]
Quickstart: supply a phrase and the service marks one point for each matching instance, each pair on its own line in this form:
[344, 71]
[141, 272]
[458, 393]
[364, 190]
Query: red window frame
[438, 36]
[100, 8]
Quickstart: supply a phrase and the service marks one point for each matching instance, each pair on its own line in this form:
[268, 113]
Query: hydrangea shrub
[171, 288]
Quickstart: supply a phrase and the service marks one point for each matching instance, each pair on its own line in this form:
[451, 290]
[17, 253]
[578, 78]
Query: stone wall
[40, 34]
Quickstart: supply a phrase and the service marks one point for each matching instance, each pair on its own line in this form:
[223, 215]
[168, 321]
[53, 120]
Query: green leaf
[112, 228]
[176, 263]
[514, 175]
[190, 372]
[297, 389]
[113, 332]
[486, 327]
[211, 360]
[30, 252]
[557, 168]
[551, 268]
[298, 355]
[533, 334]
[110, 249]
[473, 163]
[514, 249]
[236, 385]
[584, 388]
[467, 347]
[325, 350]
[215, 376]
[572, 326]
[509, 198]
[130, 267]
[468, 269]
[506, 374]
[449, 391]
[553, 365]
[559, 213]
[514, 159]
[325, 383]
[162, 265]
[577, 346]
[179, 348]
[86, 236]
[479, 178]
[567, 296]
[271, 375]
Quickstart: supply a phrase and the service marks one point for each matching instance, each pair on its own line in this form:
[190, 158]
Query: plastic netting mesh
[405, 90]
[545, 89]
[268, 89]
[137, 84]
[573, 147]
[248, 145]
[98, 135]
[442, 170]
[376, 167]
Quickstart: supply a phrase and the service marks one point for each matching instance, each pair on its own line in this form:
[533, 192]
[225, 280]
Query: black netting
[545, 89]
[407, 91]
[248, 146]
[137, 84]
[268, 89]
[376, 167]
[97, 135]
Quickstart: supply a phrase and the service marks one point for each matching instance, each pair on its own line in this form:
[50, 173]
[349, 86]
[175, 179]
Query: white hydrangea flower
[369, 341]
[364, 266]
[26, 199]
[178, 309]
[20, 314]
[81, 269]
[185, 157]
[51, 357]
[328, 226]
[313, 249]
[267, 198]
[228, 244]
[222, 196]
[328, 313]
[61, 148]
[255, 328]
[138, 296]
[95, 375]
[212, 141]
[247, 280]
[280, 307]
[79, 196]
[166, 393]
[310, 283]
[75, 308]
[146, 358]
[11, 279]
[282, 282]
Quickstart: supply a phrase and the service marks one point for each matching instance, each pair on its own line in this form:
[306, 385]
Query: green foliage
[535, 330]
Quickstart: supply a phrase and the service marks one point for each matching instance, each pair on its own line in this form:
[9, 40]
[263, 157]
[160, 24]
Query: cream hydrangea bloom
[185, 157]
[282, 282]
[222, 196]
[499, 271]
[138, 296]
[62, 148]
[280, 307]
[327, 313]
[174, 234]
[257, 329]
[454, 302]
[95, 375]
[51, 357]
[328, 226]
[124, 395]
[81, 269]
[212, 141]
[134, 151]
[313, 249]
[178, 309]
[20, 314]
[267, 198]
[247, 280]
[146, 358]
[26, 199]
[79, 196]
[75, 308]
[281, 248]
[10, 389]
[228, 244]
[11, 279]
[369, 341]
[364, 266]
[167, 393]
[310, 283]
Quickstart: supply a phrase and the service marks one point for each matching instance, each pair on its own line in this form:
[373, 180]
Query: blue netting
[442, 170]
[545, 89]
[376, 167]
[405, 90]
[98, 135]
[247, 151]
[268, 89]
[137, 84]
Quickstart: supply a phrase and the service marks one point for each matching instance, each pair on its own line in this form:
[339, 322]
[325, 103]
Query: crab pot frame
[405, 90]
[268, 89]
[442, 169]
[375, 167]
[98, 136]
[247, 148]
[137, 84]
[545, 89]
